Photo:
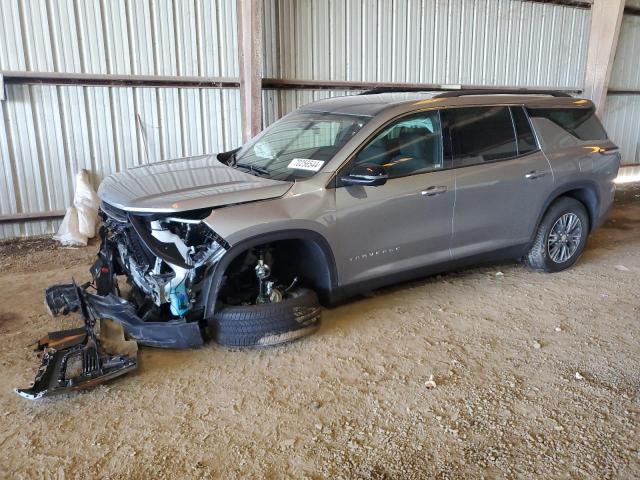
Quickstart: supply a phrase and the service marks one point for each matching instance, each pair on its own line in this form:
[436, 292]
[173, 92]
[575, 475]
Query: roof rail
[501, 91]
[468, 91]
[373, 91]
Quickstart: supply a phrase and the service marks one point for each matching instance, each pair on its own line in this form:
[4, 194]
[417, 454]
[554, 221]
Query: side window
[479, 134]
[411, 145]
[582, 123]
[524, 133]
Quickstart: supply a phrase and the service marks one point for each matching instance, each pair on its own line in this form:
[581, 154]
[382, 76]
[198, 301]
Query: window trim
[515, 132]
[533, 130]
[333, 181]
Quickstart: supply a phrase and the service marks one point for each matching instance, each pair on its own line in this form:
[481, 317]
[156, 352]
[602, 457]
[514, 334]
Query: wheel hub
[564, 237]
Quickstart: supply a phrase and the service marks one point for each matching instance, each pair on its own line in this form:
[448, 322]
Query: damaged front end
[165, 261]
[80, 359]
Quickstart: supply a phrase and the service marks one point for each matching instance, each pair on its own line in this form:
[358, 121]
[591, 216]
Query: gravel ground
[503, 344]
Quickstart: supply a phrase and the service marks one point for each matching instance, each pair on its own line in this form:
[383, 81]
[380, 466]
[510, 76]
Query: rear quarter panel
[580, 163]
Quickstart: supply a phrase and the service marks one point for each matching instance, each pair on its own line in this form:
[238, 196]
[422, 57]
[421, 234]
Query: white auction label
[306, 164]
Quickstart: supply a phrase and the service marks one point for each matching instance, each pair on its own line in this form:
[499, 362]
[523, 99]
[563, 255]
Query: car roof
[370, 105]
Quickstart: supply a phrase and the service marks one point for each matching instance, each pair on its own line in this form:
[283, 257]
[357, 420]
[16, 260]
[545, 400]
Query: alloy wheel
[564, 237]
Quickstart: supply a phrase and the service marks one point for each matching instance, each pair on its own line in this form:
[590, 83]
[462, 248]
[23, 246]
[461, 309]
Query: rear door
[502, 178]
[405, 223]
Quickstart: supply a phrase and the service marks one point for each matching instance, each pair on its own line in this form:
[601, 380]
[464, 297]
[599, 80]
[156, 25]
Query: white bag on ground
[79, 223]
[68, 233]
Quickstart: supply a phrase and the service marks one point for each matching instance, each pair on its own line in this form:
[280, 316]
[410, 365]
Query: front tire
[561, 237]
[265, 324]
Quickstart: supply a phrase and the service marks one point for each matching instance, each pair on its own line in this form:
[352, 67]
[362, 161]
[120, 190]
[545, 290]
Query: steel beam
[250, 50]
[20, 217]
[90, 79]
[606, 17]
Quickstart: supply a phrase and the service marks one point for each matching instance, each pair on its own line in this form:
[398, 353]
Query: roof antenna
[143, 134]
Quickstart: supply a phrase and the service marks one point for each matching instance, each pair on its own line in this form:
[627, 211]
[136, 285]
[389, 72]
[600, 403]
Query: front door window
[410, 146]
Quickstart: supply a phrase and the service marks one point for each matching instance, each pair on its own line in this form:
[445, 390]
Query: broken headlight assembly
[163, 258]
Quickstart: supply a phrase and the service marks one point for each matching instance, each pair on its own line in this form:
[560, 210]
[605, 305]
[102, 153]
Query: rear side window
[524, 134]
[582, 123]
[479, 135]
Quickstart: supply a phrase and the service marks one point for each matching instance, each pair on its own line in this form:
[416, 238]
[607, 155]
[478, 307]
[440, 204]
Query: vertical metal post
[250, 50]
[606, 17]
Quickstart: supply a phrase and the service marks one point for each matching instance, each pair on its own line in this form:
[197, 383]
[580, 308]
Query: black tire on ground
[269, 323]
[539, 257]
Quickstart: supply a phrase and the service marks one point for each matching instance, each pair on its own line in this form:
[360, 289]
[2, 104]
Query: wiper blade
[253, 168]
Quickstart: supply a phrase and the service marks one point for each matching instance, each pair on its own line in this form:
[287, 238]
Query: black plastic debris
[175, 333]
[79, 359]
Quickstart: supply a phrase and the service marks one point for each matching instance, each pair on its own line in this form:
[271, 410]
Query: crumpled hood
[186, 184]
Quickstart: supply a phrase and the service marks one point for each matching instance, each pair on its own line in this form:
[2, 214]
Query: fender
[214, 278]
[592, 210]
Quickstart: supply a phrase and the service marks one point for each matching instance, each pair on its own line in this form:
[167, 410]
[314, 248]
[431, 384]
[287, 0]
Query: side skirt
[345, 292]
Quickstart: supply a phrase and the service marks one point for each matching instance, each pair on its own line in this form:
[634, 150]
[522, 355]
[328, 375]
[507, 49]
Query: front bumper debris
[176, 333]
[79, 359]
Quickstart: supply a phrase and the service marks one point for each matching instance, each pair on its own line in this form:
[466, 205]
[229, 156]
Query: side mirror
[366, 174]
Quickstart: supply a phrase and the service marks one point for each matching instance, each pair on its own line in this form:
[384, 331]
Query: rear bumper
[170, 334]
[606, 204]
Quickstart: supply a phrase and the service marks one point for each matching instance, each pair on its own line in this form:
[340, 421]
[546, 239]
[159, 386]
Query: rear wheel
[561, 237]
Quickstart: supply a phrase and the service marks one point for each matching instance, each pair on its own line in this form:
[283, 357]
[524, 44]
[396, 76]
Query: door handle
[434, 190]
[533, 175]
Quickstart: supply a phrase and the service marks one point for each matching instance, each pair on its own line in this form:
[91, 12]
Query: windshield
[298, 145]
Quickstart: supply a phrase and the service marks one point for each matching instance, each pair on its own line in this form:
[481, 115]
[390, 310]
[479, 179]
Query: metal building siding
[277, 103]
[432, 41]
[142, 37]
[49, 132]
[625, 74]
[622, 112]
[621, 118]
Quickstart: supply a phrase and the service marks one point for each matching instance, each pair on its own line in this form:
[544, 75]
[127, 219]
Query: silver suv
[342, 196]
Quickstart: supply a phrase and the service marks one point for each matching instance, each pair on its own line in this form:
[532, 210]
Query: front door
[405, 223]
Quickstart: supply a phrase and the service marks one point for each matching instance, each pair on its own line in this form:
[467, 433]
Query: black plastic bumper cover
[169, 334]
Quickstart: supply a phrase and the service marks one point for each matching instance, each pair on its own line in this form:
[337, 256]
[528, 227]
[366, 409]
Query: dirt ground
[503, 344]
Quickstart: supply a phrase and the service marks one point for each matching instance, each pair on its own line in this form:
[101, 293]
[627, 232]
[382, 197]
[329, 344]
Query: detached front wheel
[296, 316]
[561, 237]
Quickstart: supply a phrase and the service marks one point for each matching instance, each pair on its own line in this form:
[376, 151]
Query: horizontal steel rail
[615, 91]
[33, 216]
[106, 80]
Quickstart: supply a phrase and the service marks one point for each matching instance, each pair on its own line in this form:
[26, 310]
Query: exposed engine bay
[164, 260]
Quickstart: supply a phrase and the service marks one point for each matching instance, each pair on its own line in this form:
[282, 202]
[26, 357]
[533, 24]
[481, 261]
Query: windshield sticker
[306, 164]
[263, 150]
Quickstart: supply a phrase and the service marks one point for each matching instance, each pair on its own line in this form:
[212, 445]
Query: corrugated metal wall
[47, 132]
[622, 111]
[486, 42]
